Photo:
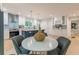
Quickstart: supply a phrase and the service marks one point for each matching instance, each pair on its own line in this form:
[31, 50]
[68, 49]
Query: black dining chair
[17, 40]
[63, 44]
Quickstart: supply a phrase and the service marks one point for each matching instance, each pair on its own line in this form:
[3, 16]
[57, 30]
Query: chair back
[63, 44]
[17, 43]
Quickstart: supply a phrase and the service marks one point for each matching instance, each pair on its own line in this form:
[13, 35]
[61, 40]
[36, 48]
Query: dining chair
[17, 40]
[63, 44]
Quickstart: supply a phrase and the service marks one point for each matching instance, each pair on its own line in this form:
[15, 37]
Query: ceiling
[41, 10]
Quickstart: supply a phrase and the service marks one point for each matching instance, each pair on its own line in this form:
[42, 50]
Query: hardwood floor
[74, 47]
[8, 47]
[72, 50]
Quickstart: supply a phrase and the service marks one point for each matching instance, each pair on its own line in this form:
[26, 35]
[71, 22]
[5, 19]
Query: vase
[39, 36]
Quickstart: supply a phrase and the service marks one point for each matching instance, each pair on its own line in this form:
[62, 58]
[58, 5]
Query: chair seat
[24, 51]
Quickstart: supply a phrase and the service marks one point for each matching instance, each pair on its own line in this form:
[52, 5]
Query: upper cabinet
[13, 21]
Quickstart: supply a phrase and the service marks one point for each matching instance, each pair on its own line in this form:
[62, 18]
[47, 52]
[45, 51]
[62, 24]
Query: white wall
[21, 20]
[5, 18]
[49, 27]
[6, 28]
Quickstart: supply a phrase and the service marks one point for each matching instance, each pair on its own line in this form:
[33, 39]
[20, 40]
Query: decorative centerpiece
[39, 36]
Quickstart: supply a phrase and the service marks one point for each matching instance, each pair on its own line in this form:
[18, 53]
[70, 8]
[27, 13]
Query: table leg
[39, 52]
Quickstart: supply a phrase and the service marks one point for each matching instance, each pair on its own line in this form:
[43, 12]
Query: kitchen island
[29, 33]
